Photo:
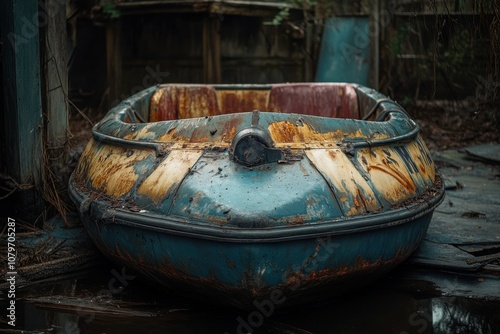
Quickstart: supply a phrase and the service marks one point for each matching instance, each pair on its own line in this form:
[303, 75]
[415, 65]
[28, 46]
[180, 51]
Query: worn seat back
[242, 100]
[183, 101]
[318, 99]
[333, 100]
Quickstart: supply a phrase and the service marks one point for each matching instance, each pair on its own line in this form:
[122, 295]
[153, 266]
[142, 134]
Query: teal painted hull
[236, 272]
[287, 208]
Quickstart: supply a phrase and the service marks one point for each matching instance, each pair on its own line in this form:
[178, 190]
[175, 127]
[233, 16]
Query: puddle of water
[97, 304]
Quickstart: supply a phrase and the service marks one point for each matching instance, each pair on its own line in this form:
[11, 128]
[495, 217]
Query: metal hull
[243, 208]
[300, 268]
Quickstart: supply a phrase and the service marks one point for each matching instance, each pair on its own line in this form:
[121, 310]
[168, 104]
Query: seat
[319, 99]
[171, 102]
[241, 100]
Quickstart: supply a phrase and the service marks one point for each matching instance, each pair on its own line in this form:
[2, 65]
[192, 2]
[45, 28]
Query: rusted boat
[284, 193]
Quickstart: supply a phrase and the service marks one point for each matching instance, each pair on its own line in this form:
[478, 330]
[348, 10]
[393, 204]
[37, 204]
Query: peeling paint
[354, 194]
[169, 173]
[143, 134]
[288, 134]
[170, 136]
[186, 101]
[112, 170]
[388, 173]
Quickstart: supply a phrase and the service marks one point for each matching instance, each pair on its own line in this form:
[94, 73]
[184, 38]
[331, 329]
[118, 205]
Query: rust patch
[295, 220]
[421, 168]
[170, 136]
[298, 286]
[288, 132]
[234, 101]
[319, 99]
[184, 101]
[360, 201]
[229, 130]
[332, 276]
[142, 134]
[154, 115]
[201, 102]
[181, 281]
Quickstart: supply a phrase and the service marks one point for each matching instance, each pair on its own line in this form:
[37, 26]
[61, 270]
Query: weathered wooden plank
[22, 101]
[54, 251]
[56, 78]
[54, 87]
[443, 257]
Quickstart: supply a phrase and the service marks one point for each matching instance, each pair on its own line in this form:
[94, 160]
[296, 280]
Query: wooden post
[55, 78]
[211, 50]
[22, 104]
[54, 86]
[55, 90]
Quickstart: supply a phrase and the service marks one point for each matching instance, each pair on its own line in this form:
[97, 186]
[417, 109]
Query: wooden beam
[221, 7]
[22, 102]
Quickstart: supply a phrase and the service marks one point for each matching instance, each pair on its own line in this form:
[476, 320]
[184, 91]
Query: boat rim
[128, 107]
[102, 212]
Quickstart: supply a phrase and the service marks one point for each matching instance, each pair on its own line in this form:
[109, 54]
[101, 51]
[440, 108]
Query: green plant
[284, 13]
[280, 17]
[109, 9]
